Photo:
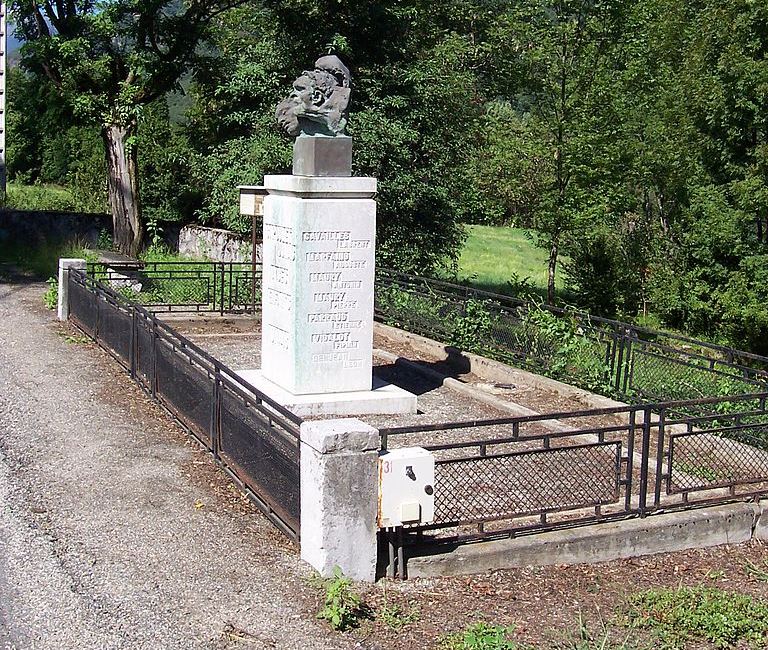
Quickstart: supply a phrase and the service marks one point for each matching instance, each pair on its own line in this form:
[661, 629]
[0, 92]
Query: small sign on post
[252, 204]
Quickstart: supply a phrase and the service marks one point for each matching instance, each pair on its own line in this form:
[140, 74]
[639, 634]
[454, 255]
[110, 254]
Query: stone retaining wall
[32, 226]
[215, 244]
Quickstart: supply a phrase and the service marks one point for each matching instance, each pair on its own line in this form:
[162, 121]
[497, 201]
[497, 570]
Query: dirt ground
[165, 552]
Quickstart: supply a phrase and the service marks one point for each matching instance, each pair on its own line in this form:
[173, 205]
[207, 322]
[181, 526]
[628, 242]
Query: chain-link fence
[186, 286]
[507, 476]
[613, 358]
[609, 357]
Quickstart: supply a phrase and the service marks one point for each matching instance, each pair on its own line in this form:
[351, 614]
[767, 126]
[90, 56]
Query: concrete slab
[660, 533]
[384, 399]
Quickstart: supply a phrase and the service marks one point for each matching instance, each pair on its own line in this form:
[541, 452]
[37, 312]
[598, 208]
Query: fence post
[65, 264]
[645, 446]
[134, 342]
[339, 497]
[215, 411]
[221, 299]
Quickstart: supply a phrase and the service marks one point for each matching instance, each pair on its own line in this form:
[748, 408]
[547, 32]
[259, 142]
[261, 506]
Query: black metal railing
[186, 286]
[610, 357]
[255, 439]
[513, 475]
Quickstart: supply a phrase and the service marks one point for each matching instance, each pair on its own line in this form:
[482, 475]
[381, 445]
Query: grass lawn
[494, 254]
[39, 197]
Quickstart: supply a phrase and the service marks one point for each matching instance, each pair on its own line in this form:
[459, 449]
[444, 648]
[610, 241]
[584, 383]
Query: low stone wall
[215, 244]
[31, 226]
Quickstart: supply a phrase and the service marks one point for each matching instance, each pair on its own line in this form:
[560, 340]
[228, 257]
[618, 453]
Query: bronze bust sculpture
[319, 101]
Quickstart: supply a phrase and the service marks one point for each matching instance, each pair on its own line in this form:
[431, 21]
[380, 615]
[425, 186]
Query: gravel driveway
[115, 530]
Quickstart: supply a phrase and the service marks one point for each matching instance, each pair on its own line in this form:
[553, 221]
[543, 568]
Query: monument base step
[384, 399]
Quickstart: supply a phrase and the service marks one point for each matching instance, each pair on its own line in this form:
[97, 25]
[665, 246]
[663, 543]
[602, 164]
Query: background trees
[629, 136]
[108, 60]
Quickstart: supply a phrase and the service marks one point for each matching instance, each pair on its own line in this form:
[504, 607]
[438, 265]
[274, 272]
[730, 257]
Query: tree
[415, 111]
[109, 60]
[546, 56]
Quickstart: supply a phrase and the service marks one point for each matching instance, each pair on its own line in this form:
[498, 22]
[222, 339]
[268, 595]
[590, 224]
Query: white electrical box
[406, 487]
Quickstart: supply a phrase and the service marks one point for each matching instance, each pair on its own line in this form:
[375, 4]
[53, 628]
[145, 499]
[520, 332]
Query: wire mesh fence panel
[258, 447]
[527, 483]
[82, 303]
[262, 453]
[725, 449]
[115, 324]
[676, 376]
[144, 354]
[184, 286]
[700, 461]
[185, 388]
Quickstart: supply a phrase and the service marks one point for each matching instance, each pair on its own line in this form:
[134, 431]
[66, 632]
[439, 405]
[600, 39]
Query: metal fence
[515, 475]
[605, 356]
[703, 439]
[253, 438]
[186, 286]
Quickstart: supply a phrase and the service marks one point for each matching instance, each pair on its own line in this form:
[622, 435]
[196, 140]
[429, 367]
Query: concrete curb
[662, 533]
[496, 370]
[465, 389]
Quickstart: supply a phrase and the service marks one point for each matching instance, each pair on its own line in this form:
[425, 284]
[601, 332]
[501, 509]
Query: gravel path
[115, 530]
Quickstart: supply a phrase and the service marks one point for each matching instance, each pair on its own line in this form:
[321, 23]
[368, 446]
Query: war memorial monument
[319, 263]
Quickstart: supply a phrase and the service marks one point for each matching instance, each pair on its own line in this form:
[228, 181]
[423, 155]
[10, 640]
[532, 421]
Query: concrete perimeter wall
[34, 226]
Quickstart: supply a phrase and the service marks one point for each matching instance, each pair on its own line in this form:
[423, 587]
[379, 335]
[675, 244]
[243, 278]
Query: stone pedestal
[339, 497]
[65, 264]
[317, 296]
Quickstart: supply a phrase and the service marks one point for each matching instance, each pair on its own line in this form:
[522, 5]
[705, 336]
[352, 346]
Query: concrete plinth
[65, 264]
[318, 272]
[322, 156]
[339, 497]
[386, 399]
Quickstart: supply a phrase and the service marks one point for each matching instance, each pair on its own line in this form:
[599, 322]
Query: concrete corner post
[339, 497]
[64, 265]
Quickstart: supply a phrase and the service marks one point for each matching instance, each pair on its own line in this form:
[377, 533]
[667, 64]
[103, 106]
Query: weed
[105, 240]
[601, 639]
[342, 608]
[680, 616]
[481, 636]
[51, 295]
[757, 572]
[76, 339]
[396, 618]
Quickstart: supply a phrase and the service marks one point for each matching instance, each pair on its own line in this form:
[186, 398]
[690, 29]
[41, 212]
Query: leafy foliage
[342, 606]
[51, 295]
[482, 636]
[681, 616]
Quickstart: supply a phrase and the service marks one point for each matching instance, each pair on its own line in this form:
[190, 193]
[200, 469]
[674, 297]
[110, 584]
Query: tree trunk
[123, 176]
[551, 268]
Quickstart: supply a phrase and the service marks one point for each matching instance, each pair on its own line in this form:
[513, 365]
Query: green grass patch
[482, 636]
[41, 260]
[39, 197]
[494, 255]
[680, 617]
